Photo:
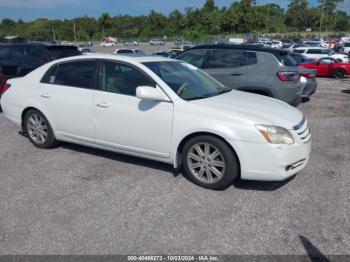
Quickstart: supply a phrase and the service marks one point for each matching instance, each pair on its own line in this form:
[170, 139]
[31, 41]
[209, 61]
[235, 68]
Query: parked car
[108, 44]
[265, 43]
[156, 42]
[300, 58]
[161, 109]
[125, 51]
[329, 67]
[178, 42]
[86, 44]
[265, 71]
[276, 44]
[286, 43]
[131, 43]
[321, 52]
[84, 50]
[292, 47]
[20, 59]
[345, 49]
[308, 78]
[312, 43]
[175, 50]
[163, 53]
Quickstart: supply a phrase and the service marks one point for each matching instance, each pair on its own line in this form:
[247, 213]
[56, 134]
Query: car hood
[255, 108]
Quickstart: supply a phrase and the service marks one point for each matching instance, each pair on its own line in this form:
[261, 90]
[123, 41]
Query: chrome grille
[303, 130]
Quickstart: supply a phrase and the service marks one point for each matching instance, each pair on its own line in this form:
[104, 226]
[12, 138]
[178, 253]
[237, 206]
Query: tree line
[240, 17]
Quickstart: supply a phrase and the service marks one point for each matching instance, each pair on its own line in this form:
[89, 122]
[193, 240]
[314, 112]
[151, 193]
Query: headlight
[275, 134]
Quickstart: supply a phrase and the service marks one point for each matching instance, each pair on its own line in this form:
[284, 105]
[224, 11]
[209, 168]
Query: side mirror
[150, 93]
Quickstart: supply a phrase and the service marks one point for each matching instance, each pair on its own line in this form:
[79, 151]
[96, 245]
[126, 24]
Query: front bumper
[268, 162]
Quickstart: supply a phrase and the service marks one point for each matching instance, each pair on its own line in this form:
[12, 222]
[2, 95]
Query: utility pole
[75, 32]
[321, 20]
[335, 21]
[53, 33]
[267, 21]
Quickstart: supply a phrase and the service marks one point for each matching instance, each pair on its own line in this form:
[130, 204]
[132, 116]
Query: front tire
[209, 162]
[39, 130]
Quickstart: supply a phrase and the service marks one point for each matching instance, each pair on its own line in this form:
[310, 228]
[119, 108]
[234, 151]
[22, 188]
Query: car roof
[241, 47]
[137, 59]
[40, 44]
[311, 47]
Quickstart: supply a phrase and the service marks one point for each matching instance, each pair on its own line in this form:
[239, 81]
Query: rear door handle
[236, 74]
[45, 95]
[102, 104]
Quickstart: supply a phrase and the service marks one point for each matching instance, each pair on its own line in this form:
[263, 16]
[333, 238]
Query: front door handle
[45, 95]
[102, 104]
[236, 74]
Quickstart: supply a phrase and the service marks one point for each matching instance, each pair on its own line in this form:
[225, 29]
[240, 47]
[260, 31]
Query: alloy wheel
[206, 163]
[37, 128]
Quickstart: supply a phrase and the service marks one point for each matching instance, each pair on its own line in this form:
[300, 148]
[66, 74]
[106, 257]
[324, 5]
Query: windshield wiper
[198, 97]
[224, 91]
[209, 95]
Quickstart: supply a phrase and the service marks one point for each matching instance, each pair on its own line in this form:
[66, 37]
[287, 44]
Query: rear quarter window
[50, 75]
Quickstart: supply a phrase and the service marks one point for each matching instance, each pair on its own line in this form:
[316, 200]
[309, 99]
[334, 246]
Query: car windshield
[187, 81]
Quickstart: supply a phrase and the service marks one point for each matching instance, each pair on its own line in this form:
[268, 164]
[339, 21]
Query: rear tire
[339, 73]
[39, 130]
[209, 162]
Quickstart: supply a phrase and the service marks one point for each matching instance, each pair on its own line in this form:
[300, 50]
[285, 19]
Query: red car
[329, 67]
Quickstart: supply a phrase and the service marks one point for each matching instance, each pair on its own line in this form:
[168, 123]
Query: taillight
[308, 75]
[4, 87]
[288, 76]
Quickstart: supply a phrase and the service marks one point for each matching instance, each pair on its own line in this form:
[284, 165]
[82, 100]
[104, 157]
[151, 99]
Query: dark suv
[20, 59]
[265, 71]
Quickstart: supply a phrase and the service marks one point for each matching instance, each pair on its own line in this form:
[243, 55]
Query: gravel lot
[77, 200]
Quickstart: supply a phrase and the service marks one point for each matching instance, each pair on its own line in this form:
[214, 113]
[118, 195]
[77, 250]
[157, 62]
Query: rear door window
[251, 58]
[77, 74]
[226, 58]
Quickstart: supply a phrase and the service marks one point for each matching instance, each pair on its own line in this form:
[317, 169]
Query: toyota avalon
[161, 109]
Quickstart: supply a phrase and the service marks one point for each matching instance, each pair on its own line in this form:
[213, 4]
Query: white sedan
[108, 44]
[320, 52]
[160, 109]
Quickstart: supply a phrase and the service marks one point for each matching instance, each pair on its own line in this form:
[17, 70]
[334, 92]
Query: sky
[28, 10]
